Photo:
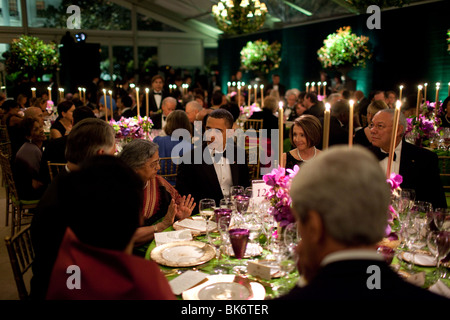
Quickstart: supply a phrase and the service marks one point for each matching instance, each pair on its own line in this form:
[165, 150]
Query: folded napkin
[199, 225]
[172, 236]
[440, 288]
[186, 281]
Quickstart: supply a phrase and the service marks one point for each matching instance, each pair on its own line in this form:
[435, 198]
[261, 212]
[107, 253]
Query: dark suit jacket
[157, 120]
[200, 180]
[347, 280]
[129, 113]
[419, 168]
[270, 121]
[316, 110]
[152, 106]
[281, 89]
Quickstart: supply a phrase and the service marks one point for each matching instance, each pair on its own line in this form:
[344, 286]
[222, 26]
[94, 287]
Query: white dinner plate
[420, 259]
[196, 224]
[226, 287]
[183, 253]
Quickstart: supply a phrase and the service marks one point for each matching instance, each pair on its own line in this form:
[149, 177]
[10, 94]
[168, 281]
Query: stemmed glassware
[439, 245]
[441, 219]
[235, 191]
[239, 239]
[223, 217]
[206, 209]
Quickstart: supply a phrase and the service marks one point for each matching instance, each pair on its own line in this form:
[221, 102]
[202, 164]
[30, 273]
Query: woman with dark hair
[445, 117]
[63, 124]
[305, 134]
[28, 161]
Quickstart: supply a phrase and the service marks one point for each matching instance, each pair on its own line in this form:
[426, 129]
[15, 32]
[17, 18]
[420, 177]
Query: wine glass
[439, 245]
[206, 208]
[441, 218]
[235, 191]
[239, 239]
[223, 241]
[241, 203]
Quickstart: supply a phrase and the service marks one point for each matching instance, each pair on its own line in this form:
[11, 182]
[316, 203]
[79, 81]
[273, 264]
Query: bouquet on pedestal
[128, 129]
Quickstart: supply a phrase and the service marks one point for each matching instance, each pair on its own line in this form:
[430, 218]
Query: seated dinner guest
[305, 134]
[88, 138]
[63, 124]
[363, 136]
[162, 203]
[419, 167]
[340, 202]
[211, 168]
[99, 238]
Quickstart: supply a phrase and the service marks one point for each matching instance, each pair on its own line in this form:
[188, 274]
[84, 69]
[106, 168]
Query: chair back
[21, 256]
[169, 168]
[55, 168]
[4, 135]
[255, 124]
[8, 176]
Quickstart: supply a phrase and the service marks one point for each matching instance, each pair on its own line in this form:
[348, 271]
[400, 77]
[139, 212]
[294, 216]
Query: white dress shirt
[223, 172]
[158, 98]
[396, 163]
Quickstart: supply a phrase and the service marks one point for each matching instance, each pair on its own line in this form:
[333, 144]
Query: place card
[172, 236]
[199, 225]
[259, 189]
[186, 281]
[259, 270]
[417, 278]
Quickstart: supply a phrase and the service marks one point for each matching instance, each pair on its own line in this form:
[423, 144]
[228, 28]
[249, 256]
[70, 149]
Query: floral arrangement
[128, 129]
[261, 56]
[248, 110]
[344, 49]
[29, 56]
[394, 181]
[278, 194]
[424, 128]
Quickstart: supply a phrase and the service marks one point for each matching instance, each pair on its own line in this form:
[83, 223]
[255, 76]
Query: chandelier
[239, 16]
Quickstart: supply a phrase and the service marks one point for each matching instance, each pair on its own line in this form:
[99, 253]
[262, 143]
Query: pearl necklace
[298, 153]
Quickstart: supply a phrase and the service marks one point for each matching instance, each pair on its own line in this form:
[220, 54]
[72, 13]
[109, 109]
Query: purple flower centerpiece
[279, 181]
[394, 181]
[128, 129]
[426, 126]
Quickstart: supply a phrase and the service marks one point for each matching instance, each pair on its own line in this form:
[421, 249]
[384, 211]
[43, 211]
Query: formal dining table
[271, 288]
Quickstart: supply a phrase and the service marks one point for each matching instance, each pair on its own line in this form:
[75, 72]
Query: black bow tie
[381, 155]
[157, 93]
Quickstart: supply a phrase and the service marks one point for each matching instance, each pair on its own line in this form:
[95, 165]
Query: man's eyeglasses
[379, 126]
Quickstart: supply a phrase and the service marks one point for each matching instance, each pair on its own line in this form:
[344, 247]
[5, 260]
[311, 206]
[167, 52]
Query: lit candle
[146, 101]
[280, 129]
[84, 95]
[393, 144]
[110, 102]
[137, 102]
[239, 94]
[80, 94]
[229, 84]
[400, 95]
[350, 124]
[170, 88]
[105, 105]
[449, 88]
[418, 100]
[49, 93]
[324, 88]
[249, 93]
[33, 92]
[326, 126]
[425, 91]
[437, 91]
[262, 95]
[307, 87]
[256, 92]
[318, 87]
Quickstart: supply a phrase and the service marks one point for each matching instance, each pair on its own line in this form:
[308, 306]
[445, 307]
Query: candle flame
[401, 87]
[398, 104]
[351, 103]
[147, 90]
[327, 106]
[420, 87]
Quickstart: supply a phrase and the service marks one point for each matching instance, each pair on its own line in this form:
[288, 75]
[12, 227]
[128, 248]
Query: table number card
[259, 189]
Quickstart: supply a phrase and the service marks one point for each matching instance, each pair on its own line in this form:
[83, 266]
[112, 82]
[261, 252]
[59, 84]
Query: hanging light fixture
[239, 16]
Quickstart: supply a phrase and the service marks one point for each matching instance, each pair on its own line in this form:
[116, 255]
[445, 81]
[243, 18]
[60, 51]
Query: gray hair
[88, 137]
[195, 105]
[169, 99]
[348, 189]
[401, 120]
[137, 152]
[294, 92]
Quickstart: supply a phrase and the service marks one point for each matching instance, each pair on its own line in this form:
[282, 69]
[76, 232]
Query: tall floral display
[261, 56]
[344, 49]
[128, 129]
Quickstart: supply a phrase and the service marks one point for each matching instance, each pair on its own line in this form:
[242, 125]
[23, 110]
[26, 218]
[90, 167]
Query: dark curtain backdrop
[409, 49]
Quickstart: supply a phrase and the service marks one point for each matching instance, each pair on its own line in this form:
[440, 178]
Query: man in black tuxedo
[155, 96]
[168, 105]
[340, 225]
[312, 105]
[419, 167]
[211, 168]
[276, 86]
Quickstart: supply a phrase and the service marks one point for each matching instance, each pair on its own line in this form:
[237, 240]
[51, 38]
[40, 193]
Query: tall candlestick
[33, 92]
[137, 102]
[313, 86]
[146, 101]
[350, 124]
[281, 130]
[105, 105]
[436, 105]
[324, 88]
[318, 87]
[110, 102]
[393, 144]
[262, 95]
[80, 93]
[400, 94]
[249, 93]
[84, 95]
[418, 100]
[256, 92]
[49, 93]
[326, 126]
[239, 94]
[229, 85]
[307, 87]
[449, 88]
[425, 91]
